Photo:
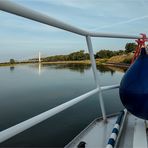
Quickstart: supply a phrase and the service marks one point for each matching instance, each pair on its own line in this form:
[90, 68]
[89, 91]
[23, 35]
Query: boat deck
[97, 134]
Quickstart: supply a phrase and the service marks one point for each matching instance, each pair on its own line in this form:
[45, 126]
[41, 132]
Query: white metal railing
[14, 130]
[13, 8]
[94, 68]
[17, 9]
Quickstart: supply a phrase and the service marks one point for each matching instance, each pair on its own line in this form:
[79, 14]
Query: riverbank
[88, 63]
[47, 63]
[116, 61]
[85, 62]
[17, 63]
[68, 62]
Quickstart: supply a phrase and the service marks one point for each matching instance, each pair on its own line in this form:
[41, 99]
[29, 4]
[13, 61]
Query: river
[27, 90]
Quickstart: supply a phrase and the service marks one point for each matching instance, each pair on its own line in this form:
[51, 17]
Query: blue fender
[134, 87]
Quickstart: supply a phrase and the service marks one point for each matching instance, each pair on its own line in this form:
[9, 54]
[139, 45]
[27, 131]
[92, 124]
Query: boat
[125, 129]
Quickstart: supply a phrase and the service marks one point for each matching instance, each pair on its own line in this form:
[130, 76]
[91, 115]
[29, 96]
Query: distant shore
[52, 62]
[88, 62]
[69, 62]
[9, 64]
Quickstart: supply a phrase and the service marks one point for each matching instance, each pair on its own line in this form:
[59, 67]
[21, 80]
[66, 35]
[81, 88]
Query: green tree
[104, 54]
[80, 55]
[86, 56]
[12, 61]
[129, 47]
[118, 52]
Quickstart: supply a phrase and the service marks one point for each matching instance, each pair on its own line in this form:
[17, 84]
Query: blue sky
[22, 38]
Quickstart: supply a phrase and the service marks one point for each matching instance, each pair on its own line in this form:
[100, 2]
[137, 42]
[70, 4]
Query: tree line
[81, 55]
[75, 56]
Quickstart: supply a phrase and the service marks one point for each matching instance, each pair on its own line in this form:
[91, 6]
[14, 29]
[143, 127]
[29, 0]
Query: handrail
[16, 129]
[11, 7]
[95, 74]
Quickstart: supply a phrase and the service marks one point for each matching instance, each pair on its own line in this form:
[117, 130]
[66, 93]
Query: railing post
[94, 68]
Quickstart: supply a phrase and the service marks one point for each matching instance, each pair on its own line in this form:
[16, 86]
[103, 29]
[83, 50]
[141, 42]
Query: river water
[27, 90]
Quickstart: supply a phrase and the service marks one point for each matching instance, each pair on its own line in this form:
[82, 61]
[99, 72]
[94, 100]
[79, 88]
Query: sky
[21, 38]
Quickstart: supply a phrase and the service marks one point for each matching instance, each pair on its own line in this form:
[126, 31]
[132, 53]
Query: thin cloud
[24, 24]
[80, 4]
[121, 23]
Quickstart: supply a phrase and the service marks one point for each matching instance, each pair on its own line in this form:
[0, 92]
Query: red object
[141, 43]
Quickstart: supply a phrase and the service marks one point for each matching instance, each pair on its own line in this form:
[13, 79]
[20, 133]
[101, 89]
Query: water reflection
[82, 67]
[104, 69]
[76, 67]
[12, 68]
[123, 69]
[73, 67]
[39, 68]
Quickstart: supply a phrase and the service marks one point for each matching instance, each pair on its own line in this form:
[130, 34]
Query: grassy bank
[118, 61]
[68, 62]
[17, 63]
